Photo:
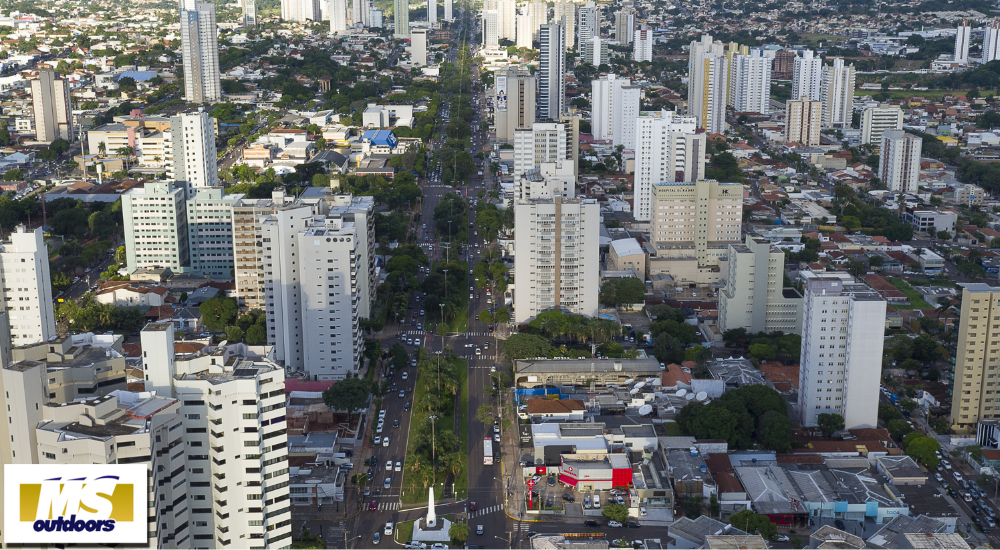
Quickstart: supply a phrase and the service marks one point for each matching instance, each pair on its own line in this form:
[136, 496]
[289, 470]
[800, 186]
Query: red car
[472, 506]
[372, 506]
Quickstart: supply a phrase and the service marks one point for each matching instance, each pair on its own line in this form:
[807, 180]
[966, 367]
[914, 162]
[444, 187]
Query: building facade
[699, 219]
[556, 142]
[899, 161]
[614, 110]
[564, 14]
[875, 120]
[708, 79]
[589, 20]
[807, 76]
[210, 232]
[418, 47]
[755, 298]
[991, 43]
[752, 83]
[27, 289]
[200, 54]
[837, 94]
[976, 363]
[491, 29]
[667, 148]
[803, 121]
[401, 18]
[962, 36]
[642, 44]
[52, 108]
[192, 159]
[338, 16]
[551, 71]
[155, 218]
[595, 51]
[514, 107]
[625, 24]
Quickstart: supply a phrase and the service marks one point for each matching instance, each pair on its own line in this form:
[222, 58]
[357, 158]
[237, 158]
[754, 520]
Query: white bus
[487, 451]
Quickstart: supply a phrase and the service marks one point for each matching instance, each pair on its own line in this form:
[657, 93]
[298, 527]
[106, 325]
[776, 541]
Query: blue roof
[136, 75]
[380, 137]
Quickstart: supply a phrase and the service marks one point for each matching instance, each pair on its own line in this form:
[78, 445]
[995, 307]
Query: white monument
[431, 521]
[430, 529]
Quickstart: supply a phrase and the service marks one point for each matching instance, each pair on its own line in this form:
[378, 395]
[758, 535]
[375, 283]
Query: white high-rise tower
[200, 52]
[752, 83]
[668, 148]
[432, 11]
[707, 84]
[338, 16]
[962, 36]
[448, 10]
[991, 45]
[837, 94]
[807, 76]
[551, 72]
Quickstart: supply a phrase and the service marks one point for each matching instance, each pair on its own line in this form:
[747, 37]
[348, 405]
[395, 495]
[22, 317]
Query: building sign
[501, 100]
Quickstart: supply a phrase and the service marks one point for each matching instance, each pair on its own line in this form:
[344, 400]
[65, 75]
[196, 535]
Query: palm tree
[102, 148]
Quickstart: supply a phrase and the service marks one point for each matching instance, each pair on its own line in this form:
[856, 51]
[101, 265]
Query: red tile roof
[554, 406]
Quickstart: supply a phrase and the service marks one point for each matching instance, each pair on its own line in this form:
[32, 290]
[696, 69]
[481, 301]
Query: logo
[78, 503]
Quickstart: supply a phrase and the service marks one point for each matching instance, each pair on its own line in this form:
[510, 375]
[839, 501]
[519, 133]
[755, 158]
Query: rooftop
[647, 365]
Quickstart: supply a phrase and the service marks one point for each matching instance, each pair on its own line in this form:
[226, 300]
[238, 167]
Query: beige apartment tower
[975, 393]
[755, 298]
[702, 218]
[803, 121]
[52, 107]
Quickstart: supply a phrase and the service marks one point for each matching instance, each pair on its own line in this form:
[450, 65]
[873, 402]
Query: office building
[551, 72]
[432, 12]
[837, 94]
[249, 13]
[707, 84]
[401, 18]
[200, 54]
[807, 76]
[514, 105]
[52, 108]
[301, 11]
[448, 15]
[614, 109]
[233, 412]
[755, 298]
[557, 258]
[697, 219]
[803, 121]
[27, 289]
[507, 10]
[668, 148]
[625, 24]
[962, 35]
[751, 83]
[191, 154]
[589, 22]
[210, 232]
[991, 43]
[843, 324]
[595, 51]
[875, 120]
[564, 14]
[491, 29]
[642, 44]
[338, 16]
[557, 142]
[899, 161]
[418, 47]
[976, 361]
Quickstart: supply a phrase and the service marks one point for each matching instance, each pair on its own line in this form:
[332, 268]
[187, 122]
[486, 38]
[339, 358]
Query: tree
[349, 395]
[14, 174]
[308, 540]
[218, 313]
[459, 533]
[616, 512]
[922, 448]
[734, 337]
[524, 346]
[234, 334]
[256, 335]
[856, 268]
[763, 352]
[625, 291]
[830, 423]
[898, 428]
[751, 522]
[485, 413]
[692, 506]
[887, 413]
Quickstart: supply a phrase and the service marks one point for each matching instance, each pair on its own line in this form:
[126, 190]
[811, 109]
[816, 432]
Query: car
[958, 477]
[780, 538]
[472, 506]
[368, 491]
[378, 440]
[388, 528]
[388, 465]
[378, 429]
[373, 462]
[372, 506]
[438, 546]
[938, 477]
[387, 483]
[947, 465]
[632, 524]
[385, 442]
[591, 523]
[840, 524]
[597, 501]
[619, 500]
[402, 393]
[642, 510]
[479, 351]
[470, 295]
[536, 478]
[496, 437]
[406, 407]
[421, 313]
[569, 498]
[614, 523]
[415, 544]
[409, 341]
[405, 374]
[586, 502]
[377, 538]
[953, 493]
[966, 496]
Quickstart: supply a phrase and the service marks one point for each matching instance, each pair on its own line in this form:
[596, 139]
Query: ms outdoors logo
[78, 503]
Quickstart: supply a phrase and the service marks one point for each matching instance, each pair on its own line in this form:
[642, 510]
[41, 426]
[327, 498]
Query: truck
[487, 451]
[895, 399]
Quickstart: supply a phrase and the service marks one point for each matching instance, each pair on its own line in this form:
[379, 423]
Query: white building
[707, 84]
[841, 361]
[564, 13]
[803, 121]
[432, 12]
[507, 10]
[52, 108]
[551, 71]
[448, 10]
[752, 83]
[594, 51]
[667, 149]
[300, 10]
[556, 258]
[27, 288]
[401, 18]
[899, 161]
[642, 44]
[491, 29]
[548, 181]
[155, 218]
[615, 110]
[556, 142]
[514, 105]
[589, 26]
[962, 35]
[837, 94]
[625, 25]
[200, 53]
[418, 47]
[249, 13]
[338, 16]
[875, 120]
[524, 23]
[991, 44]
[210, 232]
[191, 155]
[807, 76]
[755, 298]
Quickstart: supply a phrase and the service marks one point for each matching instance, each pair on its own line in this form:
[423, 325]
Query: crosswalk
[471, 334]
[388, 506]
[414, 333]
[523, 527]
[484, 511]
[480, 357]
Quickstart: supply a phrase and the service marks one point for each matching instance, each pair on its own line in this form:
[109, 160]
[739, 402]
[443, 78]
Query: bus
[487, 451]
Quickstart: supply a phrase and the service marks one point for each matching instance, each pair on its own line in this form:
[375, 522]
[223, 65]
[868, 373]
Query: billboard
[501, 100]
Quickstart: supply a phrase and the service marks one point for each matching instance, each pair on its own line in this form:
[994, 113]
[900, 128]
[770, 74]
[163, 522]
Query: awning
[563, 478]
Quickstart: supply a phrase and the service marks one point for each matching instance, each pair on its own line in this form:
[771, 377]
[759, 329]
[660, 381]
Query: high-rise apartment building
[200, 54]
[556, 260]
[418, 47]
[668, 148]
[549, 180]
[589, 22]
[401, 18]
[52, 108]
[837, 94]
[875, 120]
[700, 218]
[448, 9]
[155, 218]
[962, 36]
[625, 24]
[432, 11]
[991, 43]
[300, 10]
[807, 76]
[507, 10]
[377, 19]
[784, 65]
[557, 142]
[615, 110]
[361, 212]
[524, 24]
[338, 16]
[843, 324]
[551, 71]
[191, 154]
[210, 232]
[751, 83]
[803, 121]
[491, 28]
[248, 248]
[899, 161]
[755, 298]
[975, 387]
[642, 44]
[564, 14]
[27, 289]
[707, 84]
[249, 13]
[514, 105]
[733, 49]
[594, 51]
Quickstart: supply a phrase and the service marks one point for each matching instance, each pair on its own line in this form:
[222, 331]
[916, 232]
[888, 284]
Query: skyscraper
[803, 121]
[843, 324]
[491, 28]
[707, 84]
[165, 243]
[507, 11]
[975, 386]
[418, 47]
[27, 288]
[755, 298]
[642, 44]
[514, 103]
[667, 149]
[432, 11]
[52, 108]
[210, 232]
[549, 141]
[991, 44]
[875, 120]
[752, 83]
[200, 53]
[615, 110]
[589, 19]
[807, 76]
[191, 156]
[249, 13]
[525, 38]
[565, 14]
[625, 24]
[448, 10]
[696, 218]
[837, 94]
[594, 51]
[338, 16]
[551, 71]
[783, 65]
[297, 10]
[899, 161]
[401, 18]
[962, 35]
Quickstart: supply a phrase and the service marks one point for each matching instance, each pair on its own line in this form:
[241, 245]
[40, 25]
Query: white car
[387, 483]
[597, 501]
[381, 414]
[947, 465]
[479, 351]
[405, 376]
[385, 442]
[388, 465]
[378, 429]
[958, 476]
[614, 523]
[439, 546]
[938, 477]
[399, 466]
[388, 528]
[378, 439]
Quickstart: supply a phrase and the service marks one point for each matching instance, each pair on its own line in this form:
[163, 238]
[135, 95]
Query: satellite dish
[689, 397]
[645, 409]
[681, 393]
[629, 381]
[639, 385]
[702, 395]
[634, 391]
